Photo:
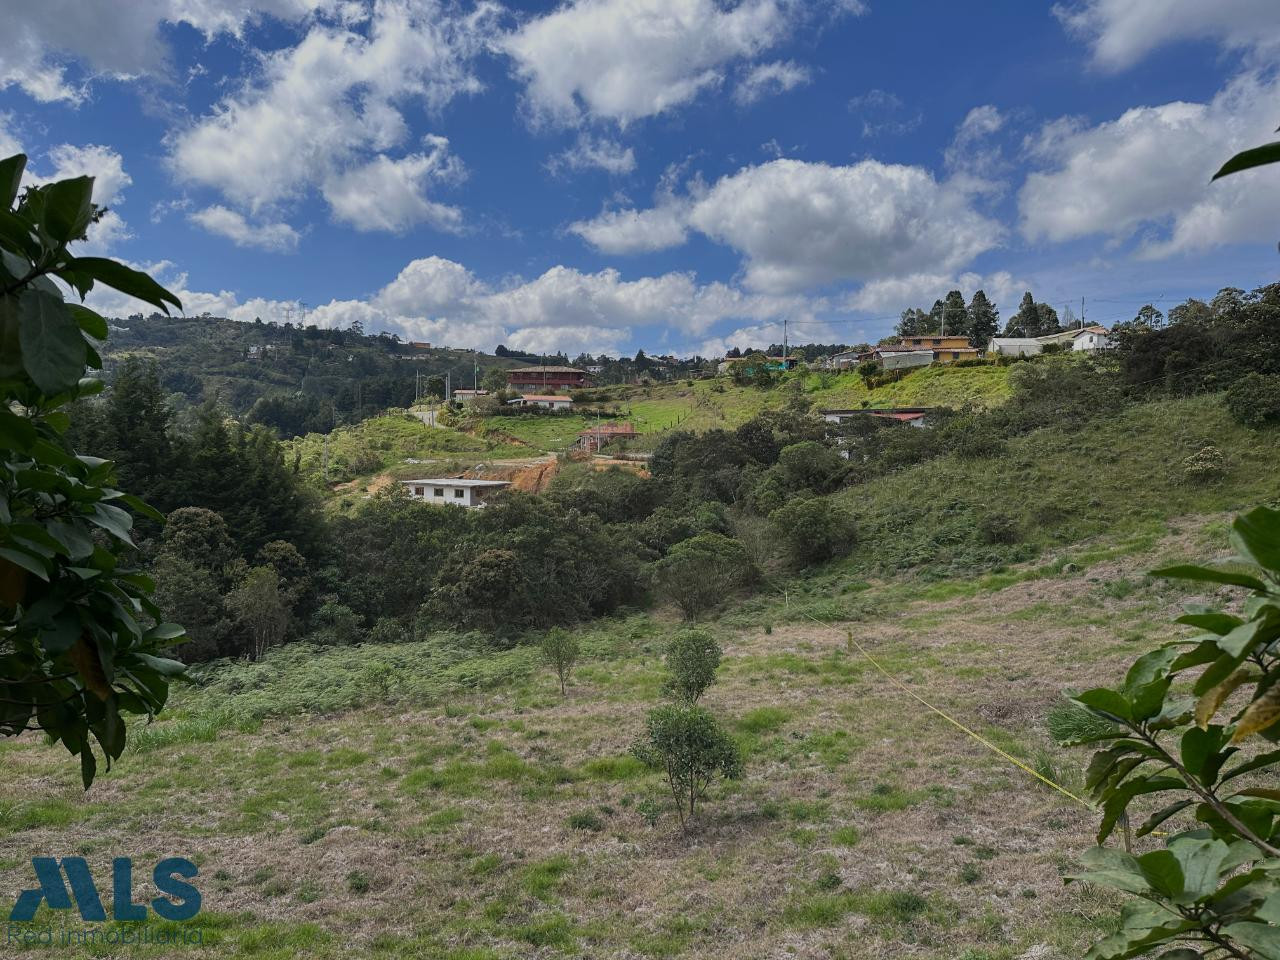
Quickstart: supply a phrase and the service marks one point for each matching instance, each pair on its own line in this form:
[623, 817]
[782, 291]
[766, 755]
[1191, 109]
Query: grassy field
[421, 801]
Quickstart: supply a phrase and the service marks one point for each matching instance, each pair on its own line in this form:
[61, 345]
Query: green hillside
[340, 373]
[385, 443]
[324, 783]
[708, 404]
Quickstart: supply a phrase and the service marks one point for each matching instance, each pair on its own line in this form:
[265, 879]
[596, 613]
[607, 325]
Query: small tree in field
[692, 659]
[560, 650]
[1213, 890]
[691, 749]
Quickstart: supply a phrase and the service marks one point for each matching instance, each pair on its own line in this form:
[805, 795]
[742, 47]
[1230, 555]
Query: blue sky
[669, 174]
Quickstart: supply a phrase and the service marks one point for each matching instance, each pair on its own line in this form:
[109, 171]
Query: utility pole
[1082, 313]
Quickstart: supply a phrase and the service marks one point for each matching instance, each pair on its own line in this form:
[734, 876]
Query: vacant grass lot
[421, 801]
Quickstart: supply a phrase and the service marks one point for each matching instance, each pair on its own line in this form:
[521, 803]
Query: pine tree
[954, 315]
[1025, 322]
[136, 425]
[984, 320]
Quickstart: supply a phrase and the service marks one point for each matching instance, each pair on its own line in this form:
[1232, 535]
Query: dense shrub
[1205, 465]
[1254, 399]
[997, 528]
[814, 530]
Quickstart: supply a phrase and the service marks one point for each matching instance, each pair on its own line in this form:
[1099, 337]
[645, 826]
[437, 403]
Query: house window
[458, 494]
[419, 491]
[438, 491]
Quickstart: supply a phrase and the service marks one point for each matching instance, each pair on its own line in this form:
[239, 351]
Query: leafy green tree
[560, 651]
[692, 750]
[693, 656]
[201, 537]
[494, 380]
[1148, 318]
[704, 571]
[984, 320]
[261, 609]
[1215, 886]
[814, 529]
[193, 594]
[76, 653]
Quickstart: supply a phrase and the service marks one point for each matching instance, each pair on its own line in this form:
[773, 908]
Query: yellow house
[945, 349]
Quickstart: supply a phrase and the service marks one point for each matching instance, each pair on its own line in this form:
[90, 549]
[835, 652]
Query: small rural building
[945, 349]
[892, 358]
[471, 494]
[466, 396]
[910, 416]
[1089, 339]
[844, 360]
[604, 433]
[549, 401]
[546, 379]
[1015, 346]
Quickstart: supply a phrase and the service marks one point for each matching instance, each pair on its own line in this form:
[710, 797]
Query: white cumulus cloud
[118, 40]
[590, 152]
[235, 227]
[327, 113]
[625, 60]
[1147, 173]
[799, 225]
[386, 194]
[769, 79]
[1123, 32]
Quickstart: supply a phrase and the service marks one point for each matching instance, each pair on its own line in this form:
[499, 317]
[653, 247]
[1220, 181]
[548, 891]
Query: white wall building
[470, 494]
[1084, 339]
[550, 401]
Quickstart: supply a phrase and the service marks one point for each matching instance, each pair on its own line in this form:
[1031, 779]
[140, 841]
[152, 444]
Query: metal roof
[459, 482]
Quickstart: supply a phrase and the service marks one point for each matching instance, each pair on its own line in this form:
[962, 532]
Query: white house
[471, 494]
[1085, 339]
[466, 396]
[1015, 346]
[550, 401]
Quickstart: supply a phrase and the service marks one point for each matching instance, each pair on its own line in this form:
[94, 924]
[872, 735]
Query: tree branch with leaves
[1188, 723]
[76, 651]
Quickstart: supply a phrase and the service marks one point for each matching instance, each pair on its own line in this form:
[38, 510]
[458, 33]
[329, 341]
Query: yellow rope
[953, 721]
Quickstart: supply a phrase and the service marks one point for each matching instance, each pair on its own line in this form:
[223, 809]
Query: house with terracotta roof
[546, 379]
[602, 433]
[910, 416]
